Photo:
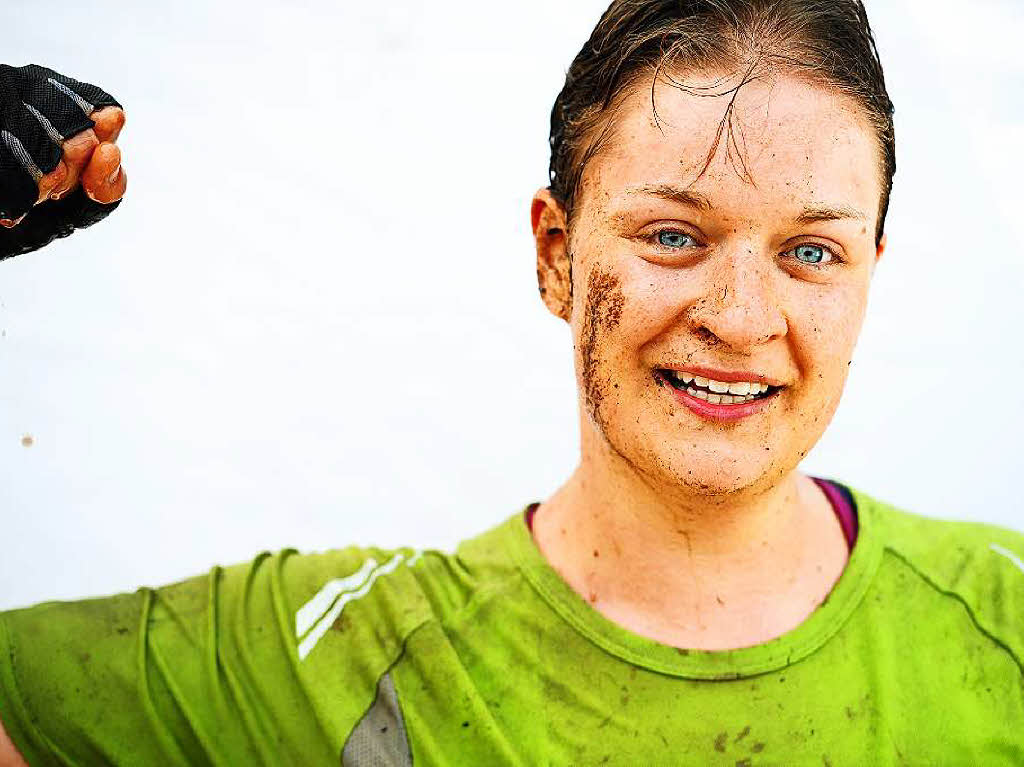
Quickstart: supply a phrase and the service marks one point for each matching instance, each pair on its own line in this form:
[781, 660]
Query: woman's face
[754, 272]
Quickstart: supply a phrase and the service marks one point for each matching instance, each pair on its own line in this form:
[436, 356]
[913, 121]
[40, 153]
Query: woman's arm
[9, 756]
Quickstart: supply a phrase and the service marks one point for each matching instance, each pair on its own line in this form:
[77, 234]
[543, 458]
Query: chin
[710, 475]
[695, 464]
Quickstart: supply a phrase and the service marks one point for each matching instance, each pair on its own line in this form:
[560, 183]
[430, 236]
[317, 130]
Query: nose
[740, 307]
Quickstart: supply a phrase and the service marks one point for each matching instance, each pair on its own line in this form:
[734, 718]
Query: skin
[92, 159]
[9, 756]
[694, 533]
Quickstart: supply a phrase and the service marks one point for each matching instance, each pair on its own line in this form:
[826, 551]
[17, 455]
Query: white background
[314, 322]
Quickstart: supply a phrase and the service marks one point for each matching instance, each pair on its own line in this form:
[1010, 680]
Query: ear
[554, 271]
[881, 248]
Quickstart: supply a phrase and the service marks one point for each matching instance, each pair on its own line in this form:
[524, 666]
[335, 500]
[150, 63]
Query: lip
[718, 413]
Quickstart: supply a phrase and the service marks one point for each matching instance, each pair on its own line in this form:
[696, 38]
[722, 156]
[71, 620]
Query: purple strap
[843, 506]
[530, 511]
[838, 496]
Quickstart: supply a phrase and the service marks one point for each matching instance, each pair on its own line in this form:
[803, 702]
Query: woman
[720, 178]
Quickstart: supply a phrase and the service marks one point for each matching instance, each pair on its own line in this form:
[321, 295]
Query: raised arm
[60, 167]
[60, 170]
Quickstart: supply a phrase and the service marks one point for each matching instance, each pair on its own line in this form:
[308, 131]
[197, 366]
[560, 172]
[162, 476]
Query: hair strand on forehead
[827, 43]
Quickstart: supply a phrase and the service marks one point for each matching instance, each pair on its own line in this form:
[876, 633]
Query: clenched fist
[91, 158]
[60, 167]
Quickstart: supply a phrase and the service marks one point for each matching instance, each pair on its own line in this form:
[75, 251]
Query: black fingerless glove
[39, 110]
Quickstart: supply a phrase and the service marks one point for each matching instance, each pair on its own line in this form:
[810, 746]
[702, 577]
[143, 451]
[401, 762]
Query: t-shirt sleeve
[72, 690]
[203, 672]
[981, 566]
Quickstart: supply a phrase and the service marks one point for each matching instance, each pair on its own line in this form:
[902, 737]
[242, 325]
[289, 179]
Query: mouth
[717, 400]
[717, 392]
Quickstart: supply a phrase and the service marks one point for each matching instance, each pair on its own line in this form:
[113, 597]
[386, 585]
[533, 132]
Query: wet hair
[827, 42]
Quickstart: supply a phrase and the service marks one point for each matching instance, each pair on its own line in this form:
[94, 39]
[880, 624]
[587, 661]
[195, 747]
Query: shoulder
[396, 591]
[979, 565]
[265, 635]
[291, 591]
[949, 549]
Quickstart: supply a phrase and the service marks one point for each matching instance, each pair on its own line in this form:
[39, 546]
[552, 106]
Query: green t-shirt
[486, 657]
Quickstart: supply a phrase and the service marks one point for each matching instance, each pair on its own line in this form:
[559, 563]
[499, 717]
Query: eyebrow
[815, 213]
[673, 193]
[809, 215]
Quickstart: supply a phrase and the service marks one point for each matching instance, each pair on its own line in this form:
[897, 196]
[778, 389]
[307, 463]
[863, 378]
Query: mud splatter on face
[601, 314]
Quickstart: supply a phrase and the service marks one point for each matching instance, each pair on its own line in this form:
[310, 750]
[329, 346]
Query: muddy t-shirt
[487, 657]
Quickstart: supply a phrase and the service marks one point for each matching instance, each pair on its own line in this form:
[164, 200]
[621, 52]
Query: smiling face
[691, 292]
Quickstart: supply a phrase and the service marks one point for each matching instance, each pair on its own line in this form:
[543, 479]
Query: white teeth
[722, 392]
[719, 399]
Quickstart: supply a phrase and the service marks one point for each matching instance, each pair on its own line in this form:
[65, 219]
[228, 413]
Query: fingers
[91, 159]
[109, 122]
[49, 182]
[77, 153]
[103, 178]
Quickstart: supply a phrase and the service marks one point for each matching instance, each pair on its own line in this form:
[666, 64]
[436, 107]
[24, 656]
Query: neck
[692, 569]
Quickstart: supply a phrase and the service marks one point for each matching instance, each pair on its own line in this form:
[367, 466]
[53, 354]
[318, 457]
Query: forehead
[786, 143]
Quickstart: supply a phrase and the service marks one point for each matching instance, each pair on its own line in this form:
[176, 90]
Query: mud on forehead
[733, 126]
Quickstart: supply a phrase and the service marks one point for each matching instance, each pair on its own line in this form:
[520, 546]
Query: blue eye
[812, 254]
[672, 239]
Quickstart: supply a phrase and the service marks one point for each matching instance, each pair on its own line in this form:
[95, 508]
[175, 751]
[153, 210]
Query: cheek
[622, 304]
[657, 298]
[600, 315]
[827, 328]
